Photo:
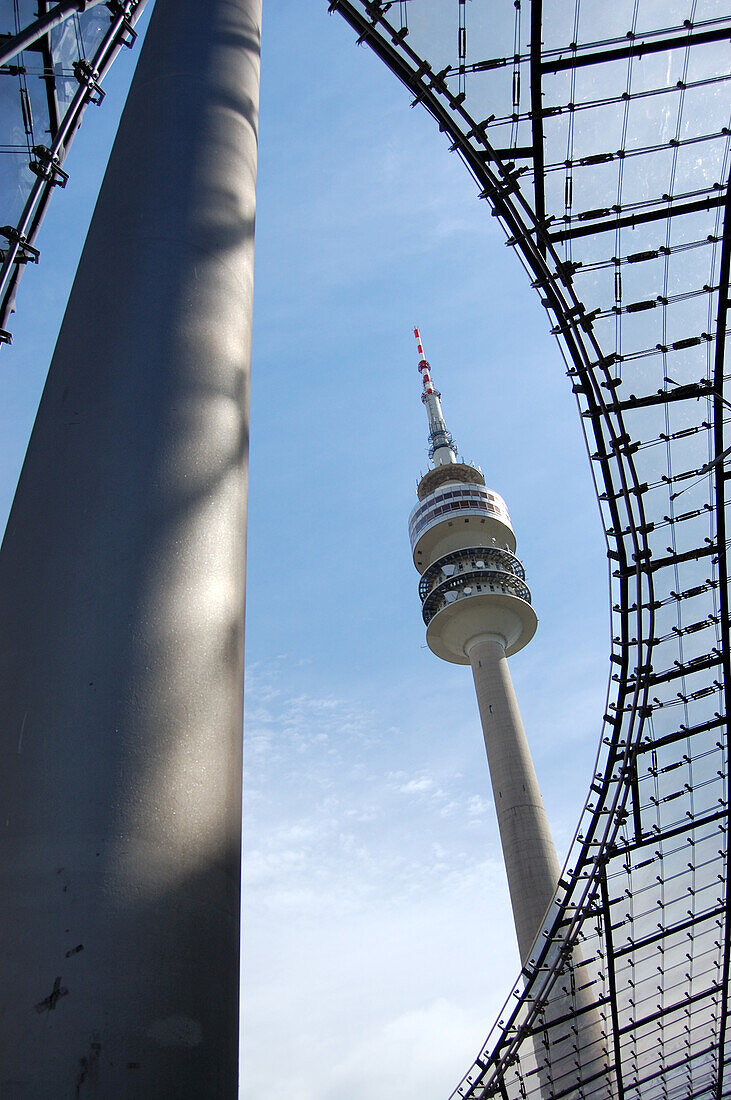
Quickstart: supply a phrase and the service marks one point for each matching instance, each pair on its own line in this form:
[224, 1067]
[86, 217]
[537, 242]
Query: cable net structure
[53, 58]
[599, 135]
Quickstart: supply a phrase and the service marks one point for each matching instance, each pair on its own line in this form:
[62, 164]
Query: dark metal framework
[602, 142]
[53, 58]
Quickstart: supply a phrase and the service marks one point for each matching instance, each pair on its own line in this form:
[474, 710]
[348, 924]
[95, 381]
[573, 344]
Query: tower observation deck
[477, 610]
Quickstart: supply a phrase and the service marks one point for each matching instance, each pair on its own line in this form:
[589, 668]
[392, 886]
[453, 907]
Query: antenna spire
[442, 448]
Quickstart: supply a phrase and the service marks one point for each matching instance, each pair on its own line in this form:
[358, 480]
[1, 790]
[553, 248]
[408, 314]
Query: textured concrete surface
[530, 856]
[122, 607]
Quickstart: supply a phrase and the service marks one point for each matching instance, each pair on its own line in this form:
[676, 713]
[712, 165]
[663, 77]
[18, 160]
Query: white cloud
[417, 1053]
[365, 914]
[419, 786]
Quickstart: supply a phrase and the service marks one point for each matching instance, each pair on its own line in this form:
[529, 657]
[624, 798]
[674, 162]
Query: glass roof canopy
[53, 58]
[600, 135]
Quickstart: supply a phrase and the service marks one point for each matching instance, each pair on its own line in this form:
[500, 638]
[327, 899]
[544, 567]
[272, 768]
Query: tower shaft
[530, 857]
[477, 610]
[122, 604]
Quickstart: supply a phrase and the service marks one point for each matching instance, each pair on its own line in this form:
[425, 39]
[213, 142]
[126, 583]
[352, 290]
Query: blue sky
[378, 942]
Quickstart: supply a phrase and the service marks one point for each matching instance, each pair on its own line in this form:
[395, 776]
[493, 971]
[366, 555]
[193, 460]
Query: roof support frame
[42, 26]
[126, 13]
[636, 47]
[536, 105]
[623, 510]
[612, 979]
[719, 447]
[588, 229]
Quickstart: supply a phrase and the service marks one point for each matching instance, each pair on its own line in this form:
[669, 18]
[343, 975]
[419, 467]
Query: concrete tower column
[477, 610]
[530, 857]
[122, 607]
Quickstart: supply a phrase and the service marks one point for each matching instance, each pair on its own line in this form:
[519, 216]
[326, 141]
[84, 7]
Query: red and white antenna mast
[442, 448]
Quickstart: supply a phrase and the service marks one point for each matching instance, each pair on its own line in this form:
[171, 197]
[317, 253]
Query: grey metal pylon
[121, 605]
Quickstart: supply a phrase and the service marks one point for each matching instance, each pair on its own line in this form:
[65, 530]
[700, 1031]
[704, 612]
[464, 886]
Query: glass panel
[636, 155]
[38, 90]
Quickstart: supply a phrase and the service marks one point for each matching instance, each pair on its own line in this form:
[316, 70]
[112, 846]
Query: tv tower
[477, 610]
